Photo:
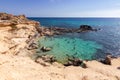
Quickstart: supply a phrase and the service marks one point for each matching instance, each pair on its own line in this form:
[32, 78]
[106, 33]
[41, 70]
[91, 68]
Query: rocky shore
[50, 31]
[18, 37]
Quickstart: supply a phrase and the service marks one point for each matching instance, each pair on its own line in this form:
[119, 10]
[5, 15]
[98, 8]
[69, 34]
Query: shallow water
[63, 46]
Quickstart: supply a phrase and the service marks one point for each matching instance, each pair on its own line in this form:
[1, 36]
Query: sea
[86, 45]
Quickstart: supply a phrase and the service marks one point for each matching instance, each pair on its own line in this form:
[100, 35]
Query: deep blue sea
[86, 45]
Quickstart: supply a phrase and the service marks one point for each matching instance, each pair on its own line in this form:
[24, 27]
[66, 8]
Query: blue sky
[62, 8]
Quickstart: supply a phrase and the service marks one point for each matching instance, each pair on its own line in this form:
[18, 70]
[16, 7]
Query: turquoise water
[87, 45]
[61, 47]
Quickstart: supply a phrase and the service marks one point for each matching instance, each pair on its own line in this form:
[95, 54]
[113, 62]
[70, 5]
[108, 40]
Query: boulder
[32, 46]
[43, 63]
[46, 58]
[49, 58]
[85, 28]
[107, 60]
[45, 49]
[83, 65]
[74, 62]
[77, 62]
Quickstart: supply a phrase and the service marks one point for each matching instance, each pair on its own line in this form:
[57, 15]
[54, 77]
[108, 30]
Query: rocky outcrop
[75, 62]
[5, 16]
[107, 60]
[45, 58]
[17, 33]
[85, 27]
[12, 20]
[32, 45]
[50, 31]
[7, 23]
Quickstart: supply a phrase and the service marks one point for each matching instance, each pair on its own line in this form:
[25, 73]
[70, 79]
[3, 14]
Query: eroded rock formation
[50, 31]
[16, 33]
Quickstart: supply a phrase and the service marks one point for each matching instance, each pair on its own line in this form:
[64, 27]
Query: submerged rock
[45, 49]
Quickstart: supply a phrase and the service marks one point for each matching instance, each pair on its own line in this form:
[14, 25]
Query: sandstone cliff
[15, 33]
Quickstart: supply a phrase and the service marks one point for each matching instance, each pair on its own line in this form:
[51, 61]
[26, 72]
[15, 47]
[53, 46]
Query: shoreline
[18, 43]
[72, 60]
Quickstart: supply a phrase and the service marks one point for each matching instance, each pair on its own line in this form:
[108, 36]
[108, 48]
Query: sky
[62, 8]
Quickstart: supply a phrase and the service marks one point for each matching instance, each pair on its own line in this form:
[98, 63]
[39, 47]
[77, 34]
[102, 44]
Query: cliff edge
[15, 33]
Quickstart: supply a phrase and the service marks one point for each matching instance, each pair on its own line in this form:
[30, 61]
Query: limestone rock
[3, 47]
[85, 27]
[10, 20]
[15, 32]
[45, 49]
[74, 62]
[46, 58]
[107, 60]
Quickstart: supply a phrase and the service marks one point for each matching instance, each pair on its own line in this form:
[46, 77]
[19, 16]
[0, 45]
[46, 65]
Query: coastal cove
[18, 49]
[60, 40]
[85, 45]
